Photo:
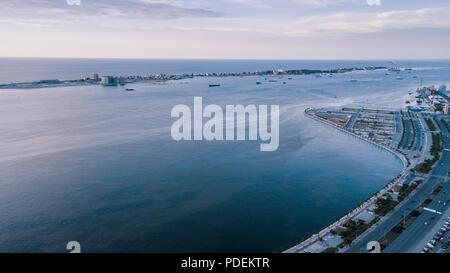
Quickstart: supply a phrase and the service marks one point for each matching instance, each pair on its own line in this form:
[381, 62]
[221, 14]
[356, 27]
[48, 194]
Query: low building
[108, 81]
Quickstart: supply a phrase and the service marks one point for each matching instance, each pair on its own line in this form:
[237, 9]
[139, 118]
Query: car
[425, 250]
[430, 246]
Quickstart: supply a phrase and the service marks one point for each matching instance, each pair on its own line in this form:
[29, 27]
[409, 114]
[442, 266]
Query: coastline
[169, 77]
[302, 246]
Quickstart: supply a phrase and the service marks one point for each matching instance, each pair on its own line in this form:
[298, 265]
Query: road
[416, 232]
[413, 238]
[417, 229]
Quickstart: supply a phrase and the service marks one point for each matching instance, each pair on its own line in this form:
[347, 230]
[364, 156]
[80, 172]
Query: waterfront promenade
[322, 235]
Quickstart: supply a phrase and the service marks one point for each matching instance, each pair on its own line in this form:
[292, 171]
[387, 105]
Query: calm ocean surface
[98, 165]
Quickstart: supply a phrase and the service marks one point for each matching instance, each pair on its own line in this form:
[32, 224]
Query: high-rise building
[96, 78]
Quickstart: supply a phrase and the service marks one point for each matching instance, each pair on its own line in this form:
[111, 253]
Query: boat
[284, 82]
[407, 101]
[258, 82]
[214, 85]
[419, 102]
[399, 78]
[129, 89]
[394, 69]
[353, 80]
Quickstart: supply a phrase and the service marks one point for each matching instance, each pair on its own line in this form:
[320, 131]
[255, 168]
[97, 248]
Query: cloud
[324, 3]
[265, 4]
[26, 10]
[374, 2]
[253, 3]
[364, 23]
[73, 2]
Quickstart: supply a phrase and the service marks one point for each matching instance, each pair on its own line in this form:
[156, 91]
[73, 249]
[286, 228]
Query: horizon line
[227, 59]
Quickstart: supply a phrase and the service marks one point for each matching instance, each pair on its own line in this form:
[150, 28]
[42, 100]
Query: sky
[226, 29]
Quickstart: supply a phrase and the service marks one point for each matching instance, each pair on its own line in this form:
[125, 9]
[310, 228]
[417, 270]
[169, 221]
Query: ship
[258, 82]
[214, 85]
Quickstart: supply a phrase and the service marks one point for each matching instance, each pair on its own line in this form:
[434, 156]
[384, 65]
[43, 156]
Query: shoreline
[168, 77]
[302, 246]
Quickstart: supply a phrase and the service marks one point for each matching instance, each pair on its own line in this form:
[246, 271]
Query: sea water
[98, 164]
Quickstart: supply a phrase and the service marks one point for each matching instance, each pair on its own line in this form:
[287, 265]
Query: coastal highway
[437, 176]
[392, 218]
[415, 237]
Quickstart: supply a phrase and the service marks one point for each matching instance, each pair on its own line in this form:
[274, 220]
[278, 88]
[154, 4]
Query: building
[50, 81]
[108, 81]
[446, 109]
[96, 78]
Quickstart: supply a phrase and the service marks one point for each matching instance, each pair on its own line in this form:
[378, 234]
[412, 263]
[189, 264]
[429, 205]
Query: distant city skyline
[226, 29]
